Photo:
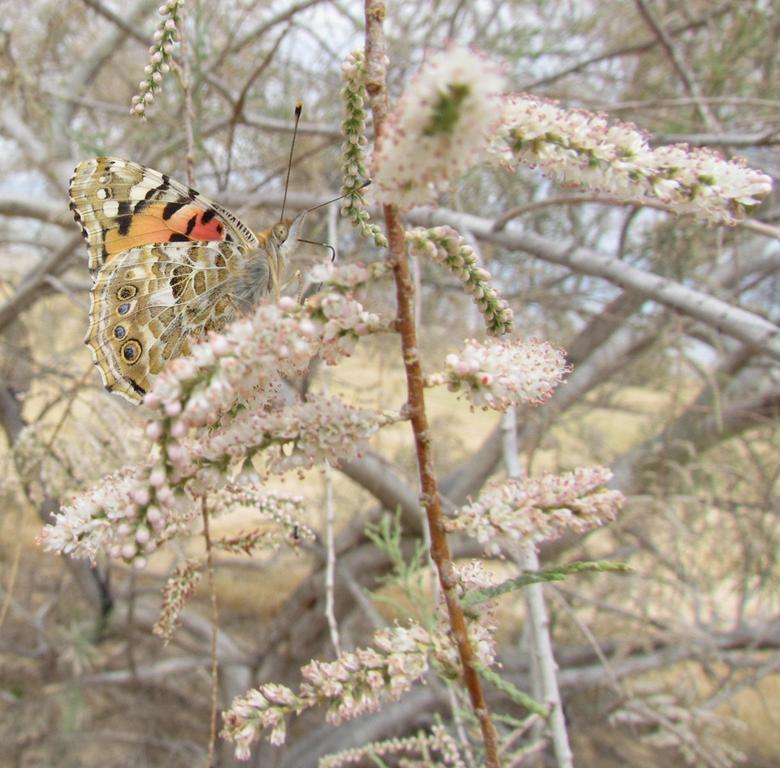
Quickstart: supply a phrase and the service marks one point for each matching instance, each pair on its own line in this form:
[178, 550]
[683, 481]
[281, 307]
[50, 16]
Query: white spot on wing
[138, 192]
[111, 208]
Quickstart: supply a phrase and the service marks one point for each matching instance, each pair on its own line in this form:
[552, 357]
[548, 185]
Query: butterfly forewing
[122, 205]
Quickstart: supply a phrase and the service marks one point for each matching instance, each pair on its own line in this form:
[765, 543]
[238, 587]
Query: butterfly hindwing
[121, 205]
[148, 301]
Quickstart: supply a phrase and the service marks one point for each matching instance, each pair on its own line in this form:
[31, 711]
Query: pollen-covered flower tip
[439, 128]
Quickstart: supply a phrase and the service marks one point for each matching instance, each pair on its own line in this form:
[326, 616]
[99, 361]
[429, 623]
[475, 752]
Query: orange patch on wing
[149, 226]
[197, 223]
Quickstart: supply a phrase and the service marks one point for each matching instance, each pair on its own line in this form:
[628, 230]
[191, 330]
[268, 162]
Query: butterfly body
[167, 264]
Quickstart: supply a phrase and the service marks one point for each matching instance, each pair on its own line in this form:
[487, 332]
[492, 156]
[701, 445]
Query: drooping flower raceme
[444, 245]
[354, 172]
[159, 56]
[355, 684]
[439, 127]
[496, 374]
[583, 148]
[419, 749]
[539, 509]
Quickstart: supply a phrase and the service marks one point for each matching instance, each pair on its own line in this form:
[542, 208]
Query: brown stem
[440, 552]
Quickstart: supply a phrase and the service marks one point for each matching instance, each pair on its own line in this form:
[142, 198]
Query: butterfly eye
[280, 232]
[131, 350]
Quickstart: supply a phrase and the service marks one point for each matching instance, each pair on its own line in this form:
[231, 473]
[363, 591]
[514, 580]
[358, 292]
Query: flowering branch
[538, 509]
[357, 683]
[376, 89]
[582, 148]
[439, 127]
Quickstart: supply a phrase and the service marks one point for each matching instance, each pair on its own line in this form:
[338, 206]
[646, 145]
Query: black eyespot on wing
[177, 237]
[131, 350]
[126, 292]
[119, 332]
[193, 220]
[171, 208]
[208, 216]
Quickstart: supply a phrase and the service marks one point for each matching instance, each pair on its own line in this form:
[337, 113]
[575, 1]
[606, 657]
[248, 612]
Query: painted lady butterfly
[167, 265]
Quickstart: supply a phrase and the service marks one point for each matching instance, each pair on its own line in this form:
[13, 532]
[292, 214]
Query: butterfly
[167, 265]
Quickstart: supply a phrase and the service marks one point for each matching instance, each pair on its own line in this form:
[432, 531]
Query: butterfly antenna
[298, 110]
[335, 199]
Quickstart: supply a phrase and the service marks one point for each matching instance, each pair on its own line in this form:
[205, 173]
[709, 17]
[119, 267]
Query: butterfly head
[280, 231]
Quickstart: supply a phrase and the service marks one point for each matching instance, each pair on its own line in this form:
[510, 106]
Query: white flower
[439, 127]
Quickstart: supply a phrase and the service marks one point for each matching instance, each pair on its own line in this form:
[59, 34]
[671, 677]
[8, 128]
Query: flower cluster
[539, 509]
[346, 278]
[115, 517]
[295, 437]
[439, 127]
[282, 509]
[251, 355]
[159, 56]
[426, 745]
[355, 684]
[214, 408]
[353, 166]
[582, 148]
[445, 246]
[176, 593]
[496, 374]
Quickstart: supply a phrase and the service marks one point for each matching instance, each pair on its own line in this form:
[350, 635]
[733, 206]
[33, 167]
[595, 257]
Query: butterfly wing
[121, 205]
[148, 301]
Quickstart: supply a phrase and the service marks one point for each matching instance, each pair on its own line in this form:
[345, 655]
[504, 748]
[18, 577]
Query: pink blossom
[496, 374]
[539, 509]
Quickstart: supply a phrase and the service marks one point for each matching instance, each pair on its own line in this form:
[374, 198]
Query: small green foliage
[514, 693]
[558, 573]
[386, 535]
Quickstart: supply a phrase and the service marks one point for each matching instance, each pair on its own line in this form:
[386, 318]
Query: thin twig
[214, 630]
[539, 634]
[679, 65]
[330, 565]
[17, 556]
[377, 93]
